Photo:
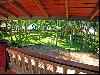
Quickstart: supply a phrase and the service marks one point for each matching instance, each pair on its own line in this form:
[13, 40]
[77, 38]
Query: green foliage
[58, 31]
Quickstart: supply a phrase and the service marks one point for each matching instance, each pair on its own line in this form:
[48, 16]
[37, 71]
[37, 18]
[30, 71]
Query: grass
[46, 40]
[32, 38]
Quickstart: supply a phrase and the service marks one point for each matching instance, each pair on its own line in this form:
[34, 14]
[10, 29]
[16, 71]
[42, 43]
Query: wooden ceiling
[50, 9]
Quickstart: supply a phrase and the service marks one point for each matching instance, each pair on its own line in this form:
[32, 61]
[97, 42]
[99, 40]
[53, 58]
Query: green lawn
[33, 38]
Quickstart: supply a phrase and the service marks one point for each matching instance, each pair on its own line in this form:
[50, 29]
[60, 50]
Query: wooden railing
[27, 62]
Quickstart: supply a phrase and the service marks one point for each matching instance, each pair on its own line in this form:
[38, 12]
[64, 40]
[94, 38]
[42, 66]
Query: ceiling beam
[39, 5]
[3, 15]
[7, 10]
[66, 8]
[94, 12]
[14, 6]
[19, 7]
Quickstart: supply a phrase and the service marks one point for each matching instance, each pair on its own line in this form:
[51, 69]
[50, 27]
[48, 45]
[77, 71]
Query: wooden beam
[19, 7]
[14, 6]
[66, 6]
[7, 10]
[3, 15]
[39, 5]
[2, 1]
[94, 12]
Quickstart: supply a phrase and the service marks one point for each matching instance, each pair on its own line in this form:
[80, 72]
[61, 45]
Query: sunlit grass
[47, 40]
[34, 41]
[33, 38]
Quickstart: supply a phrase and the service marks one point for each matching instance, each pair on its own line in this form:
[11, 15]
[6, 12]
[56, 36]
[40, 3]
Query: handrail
[82, 66]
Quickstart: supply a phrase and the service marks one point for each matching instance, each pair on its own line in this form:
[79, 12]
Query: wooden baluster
[64, 70]
[11, 59]
[13, 64]
[20, 64]
[77, 71]
[17, 64]
[54, 68]
[37, 68]
[30, 65]
[45, 67]
[27, 69]
[23, 64]
[42, 69]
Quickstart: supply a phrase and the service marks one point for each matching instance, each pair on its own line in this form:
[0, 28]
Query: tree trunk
[15, 31]
[70, 38]
[39, 29]
[6, 25]
[57, 32]
[87, 30]
[56, 38]
[11, 33]
[25, 36]
[39, 36]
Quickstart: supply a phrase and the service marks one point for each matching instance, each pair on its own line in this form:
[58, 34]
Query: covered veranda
[72, 10]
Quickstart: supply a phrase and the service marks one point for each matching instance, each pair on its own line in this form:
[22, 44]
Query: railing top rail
[57, 60]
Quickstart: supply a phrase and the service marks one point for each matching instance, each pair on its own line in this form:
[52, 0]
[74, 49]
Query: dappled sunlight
[57, 52]
[46, 40]
[81, 58]
[33, 41]
[70, 71]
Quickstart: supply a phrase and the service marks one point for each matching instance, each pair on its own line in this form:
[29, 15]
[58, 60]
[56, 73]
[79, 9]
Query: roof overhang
[82, 10]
